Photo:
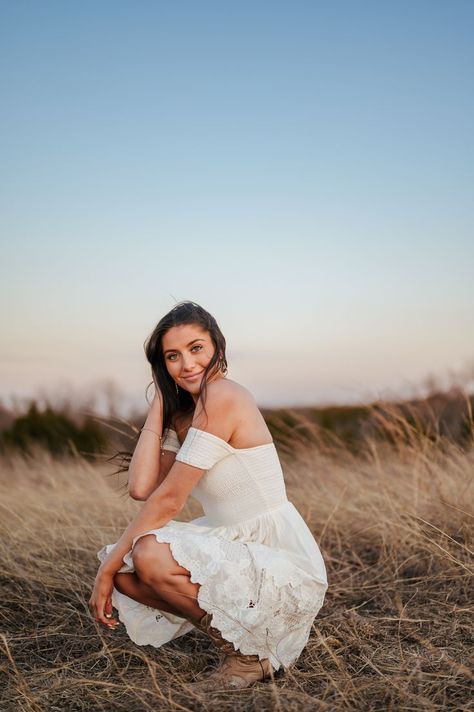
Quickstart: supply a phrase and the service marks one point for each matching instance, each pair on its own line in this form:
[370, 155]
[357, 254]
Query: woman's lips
[193, 377]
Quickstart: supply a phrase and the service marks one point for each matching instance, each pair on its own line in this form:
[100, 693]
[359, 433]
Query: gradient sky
[303, 170]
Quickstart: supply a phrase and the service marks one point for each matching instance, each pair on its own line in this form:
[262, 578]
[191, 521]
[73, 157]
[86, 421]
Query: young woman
[249, 573]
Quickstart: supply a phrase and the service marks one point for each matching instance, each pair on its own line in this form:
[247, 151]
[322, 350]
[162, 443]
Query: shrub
[55, 431]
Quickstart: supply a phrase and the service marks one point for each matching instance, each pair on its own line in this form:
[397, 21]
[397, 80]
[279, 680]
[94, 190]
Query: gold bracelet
[153, 431]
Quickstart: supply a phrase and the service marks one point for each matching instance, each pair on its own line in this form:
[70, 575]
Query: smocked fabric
[260, 570]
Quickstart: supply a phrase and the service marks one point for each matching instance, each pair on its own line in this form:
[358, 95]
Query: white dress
[260, 570]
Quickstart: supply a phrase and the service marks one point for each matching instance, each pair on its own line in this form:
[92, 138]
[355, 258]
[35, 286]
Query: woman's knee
[147, 561]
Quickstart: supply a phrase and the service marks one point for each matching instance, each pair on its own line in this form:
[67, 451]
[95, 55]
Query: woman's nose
[188, 363]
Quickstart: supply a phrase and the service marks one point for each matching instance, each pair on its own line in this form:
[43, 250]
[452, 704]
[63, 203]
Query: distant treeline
[440, 416]
[58, 432]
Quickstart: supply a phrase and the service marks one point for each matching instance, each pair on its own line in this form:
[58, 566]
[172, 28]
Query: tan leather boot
[235, 670]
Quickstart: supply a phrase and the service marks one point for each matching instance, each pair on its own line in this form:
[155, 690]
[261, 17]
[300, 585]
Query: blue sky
[303, 170]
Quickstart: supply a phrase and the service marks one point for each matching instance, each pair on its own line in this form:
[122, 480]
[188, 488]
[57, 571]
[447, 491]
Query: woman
[249, 573]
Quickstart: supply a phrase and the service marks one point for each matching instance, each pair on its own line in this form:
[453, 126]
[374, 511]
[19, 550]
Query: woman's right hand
[100, 602]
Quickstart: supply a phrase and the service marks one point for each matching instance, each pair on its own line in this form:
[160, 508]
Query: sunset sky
[303, 170]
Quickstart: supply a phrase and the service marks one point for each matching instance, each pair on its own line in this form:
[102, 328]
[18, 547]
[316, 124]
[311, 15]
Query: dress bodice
[239, 483]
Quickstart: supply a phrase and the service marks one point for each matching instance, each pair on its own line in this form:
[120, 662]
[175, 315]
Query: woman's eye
[170, 357]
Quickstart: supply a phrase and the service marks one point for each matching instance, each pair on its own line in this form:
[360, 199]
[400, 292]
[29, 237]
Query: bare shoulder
[245, 425]
[226, 403]
[226, 391]
[236, 402]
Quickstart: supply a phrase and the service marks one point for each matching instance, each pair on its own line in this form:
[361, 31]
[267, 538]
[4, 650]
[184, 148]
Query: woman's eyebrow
[191, 342]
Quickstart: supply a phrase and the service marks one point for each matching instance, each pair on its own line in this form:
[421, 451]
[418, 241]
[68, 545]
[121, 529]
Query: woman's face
[187, 350]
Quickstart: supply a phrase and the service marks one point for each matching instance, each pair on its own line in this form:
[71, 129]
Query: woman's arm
[161, 506]
[144, 469]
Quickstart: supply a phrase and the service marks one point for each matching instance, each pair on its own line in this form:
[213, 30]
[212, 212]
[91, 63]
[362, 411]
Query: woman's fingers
[101, 609]
[112, 622]
[108, 607]
[106, 618]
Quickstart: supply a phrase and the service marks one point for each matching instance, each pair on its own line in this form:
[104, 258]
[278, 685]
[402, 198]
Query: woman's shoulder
[225, 388]
[231, 401]
[220, 393]
[236, 411]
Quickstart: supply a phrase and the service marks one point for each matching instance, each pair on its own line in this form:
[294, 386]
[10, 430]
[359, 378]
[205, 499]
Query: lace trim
[259, 601]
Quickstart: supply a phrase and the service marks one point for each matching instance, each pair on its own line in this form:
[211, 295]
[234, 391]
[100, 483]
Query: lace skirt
[263, 581]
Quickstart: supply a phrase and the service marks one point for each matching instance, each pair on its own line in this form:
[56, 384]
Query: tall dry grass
[395, 527]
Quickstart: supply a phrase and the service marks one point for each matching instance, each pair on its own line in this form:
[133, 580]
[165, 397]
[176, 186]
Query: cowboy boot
[235, 670]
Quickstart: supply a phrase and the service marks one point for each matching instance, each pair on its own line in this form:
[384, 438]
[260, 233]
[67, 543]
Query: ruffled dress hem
[266, 606]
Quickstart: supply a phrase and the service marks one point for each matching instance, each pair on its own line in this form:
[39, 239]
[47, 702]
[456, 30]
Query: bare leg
[180, 593]
[156, 567]
[131, 586]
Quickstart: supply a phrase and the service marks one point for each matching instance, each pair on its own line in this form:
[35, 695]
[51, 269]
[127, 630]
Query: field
[394, 523]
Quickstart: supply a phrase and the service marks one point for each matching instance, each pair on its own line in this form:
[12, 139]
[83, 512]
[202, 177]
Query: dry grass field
[395, 526]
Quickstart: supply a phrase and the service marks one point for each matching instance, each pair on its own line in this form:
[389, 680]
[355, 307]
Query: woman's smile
[193, 377]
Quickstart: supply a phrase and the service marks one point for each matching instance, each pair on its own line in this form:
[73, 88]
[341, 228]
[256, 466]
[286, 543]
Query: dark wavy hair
[176, 400]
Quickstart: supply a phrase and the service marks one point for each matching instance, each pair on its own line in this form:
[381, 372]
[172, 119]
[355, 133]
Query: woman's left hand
[100, 602]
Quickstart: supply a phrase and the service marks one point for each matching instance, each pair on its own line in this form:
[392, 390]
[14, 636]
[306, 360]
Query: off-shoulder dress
[260, 570]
